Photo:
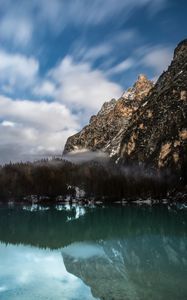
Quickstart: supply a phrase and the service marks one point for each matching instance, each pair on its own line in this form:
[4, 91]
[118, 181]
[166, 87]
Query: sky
[60, 60]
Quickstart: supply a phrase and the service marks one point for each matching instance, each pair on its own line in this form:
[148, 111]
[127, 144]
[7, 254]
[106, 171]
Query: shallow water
[82, 252]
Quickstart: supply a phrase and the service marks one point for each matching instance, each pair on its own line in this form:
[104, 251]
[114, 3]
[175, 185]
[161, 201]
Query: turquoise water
[85, 252]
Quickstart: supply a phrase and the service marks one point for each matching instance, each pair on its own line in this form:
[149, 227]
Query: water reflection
[75, 252]
[31, 273]
[138, 268]
[83, 251]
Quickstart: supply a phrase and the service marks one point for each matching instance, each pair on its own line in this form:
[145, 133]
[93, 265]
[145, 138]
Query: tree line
[58, 177]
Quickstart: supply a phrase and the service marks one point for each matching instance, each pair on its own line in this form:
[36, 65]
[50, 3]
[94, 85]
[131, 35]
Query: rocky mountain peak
[111, 120]
[181, 49]
[148, 124]
[139, 90]
[142, 83]
[142, 78]
[107, 106]
[157, 133]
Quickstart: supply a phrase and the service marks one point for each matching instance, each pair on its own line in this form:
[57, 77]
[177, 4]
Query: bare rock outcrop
[157, 133]
[104, 130]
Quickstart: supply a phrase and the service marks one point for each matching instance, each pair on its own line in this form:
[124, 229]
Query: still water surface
[84, 253]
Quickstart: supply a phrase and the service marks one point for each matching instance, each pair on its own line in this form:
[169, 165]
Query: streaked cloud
[158, 58]
[17, 70]
[97, 12]
[106, 49]
[81, 86]
[121, 67]
[16, 30]
[23, 18]
[93, 53]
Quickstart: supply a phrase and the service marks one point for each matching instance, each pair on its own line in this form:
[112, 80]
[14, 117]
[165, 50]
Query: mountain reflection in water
[75, 252]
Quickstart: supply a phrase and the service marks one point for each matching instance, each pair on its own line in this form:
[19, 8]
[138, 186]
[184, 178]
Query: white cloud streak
[105, 49]
[16, 30]
[17, 70]
[81, 86]
[93, 53]
[97, 12]
[121, 67]
[23, 19]
[158, 58]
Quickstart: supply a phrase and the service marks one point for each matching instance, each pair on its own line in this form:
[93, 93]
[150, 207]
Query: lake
[78, 252]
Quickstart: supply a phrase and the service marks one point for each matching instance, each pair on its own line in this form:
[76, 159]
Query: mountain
[157, 133]
[147, 125]
[104, 131]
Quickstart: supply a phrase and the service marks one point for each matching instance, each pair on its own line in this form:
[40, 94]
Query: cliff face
[104, 130]
[157, 133]
[148, 124]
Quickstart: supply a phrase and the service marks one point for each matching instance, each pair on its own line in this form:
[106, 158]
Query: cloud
[81, 86]
[121, 67]
[17, 70]
[83, 155]
[33, 129]
[158, 58]
[16, 30]
[45, 88]
[40, 113]
[98, 12]
[7, 123]
[23, 19]
[30, 130]
[105, 50]
[94, 53]
[125, 36]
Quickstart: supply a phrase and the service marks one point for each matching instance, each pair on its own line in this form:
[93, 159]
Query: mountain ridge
[147, 124]
[157, 133]
[112, 118]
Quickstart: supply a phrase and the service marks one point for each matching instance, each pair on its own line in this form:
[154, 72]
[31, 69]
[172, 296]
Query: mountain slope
[157, 133]
[147, 125]
[104, 130]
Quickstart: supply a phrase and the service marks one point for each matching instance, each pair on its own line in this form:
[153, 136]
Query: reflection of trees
[144, 249]
[52, 229]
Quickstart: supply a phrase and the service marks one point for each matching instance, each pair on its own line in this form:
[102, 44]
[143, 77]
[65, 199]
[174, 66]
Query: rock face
[148, 124]
[157, 133]
[104, 131]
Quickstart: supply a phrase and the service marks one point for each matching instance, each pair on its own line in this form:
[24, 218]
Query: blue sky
[61, 59]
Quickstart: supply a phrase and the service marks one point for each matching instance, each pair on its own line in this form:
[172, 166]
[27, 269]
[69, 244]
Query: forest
[57, 179]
